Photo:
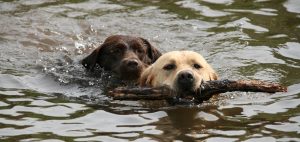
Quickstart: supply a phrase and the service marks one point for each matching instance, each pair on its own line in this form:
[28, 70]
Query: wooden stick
[209, 88]
[205, 91]
[141, 93]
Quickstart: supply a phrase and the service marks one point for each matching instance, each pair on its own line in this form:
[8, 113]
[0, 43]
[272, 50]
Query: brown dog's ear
[213, 76]
[152, 52]
[90, 61]
[146, 77]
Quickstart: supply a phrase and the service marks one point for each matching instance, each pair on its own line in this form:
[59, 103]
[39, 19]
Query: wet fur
[119, 49]
[155, 75]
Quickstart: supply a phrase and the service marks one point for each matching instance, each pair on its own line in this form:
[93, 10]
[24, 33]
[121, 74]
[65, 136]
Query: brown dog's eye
[115, 51]
[197, 66]
[140, 51]
[169, 67]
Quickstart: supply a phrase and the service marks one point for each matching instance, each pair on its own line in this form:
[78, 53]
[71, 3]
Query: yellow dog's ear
[213, 76]
[146, 77]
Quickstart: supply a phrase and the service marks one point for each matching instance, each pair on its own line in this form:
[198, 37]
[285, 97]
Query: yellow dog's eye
[197, 66]
[169, 67]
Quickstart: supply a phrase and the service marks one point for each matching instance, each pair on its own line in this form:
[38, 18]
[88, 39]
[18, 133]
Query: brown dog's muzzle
[131, 69]
[130, 64]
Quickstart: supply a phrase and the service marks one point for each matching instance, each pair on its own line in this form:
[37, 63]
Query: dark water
[45, 95]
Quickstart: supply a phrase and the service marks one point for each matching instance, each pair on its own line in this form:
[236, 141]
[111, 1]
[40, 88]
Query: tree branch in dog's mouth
[206, 90]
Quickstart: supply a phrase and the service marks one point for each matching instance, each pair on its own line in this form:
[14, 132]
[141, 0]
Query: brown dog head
[182, 71]
[127, 56]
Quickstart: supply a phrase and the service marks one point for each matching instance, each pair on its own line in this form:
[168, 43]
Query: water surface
[46, 95]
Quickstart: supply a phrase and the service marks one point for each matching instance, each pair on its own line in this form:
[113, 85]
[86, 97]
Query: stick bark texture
[205, 91]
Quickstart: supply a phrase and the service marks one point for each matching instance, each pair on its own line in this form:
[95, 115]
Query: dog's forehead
[136, 43]
[124, 41]
[181, 57]
[133, 42]
[123, 38]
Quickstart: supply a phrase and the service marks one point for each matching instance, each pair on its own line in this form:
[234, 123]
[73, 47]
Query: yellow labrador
[182, 71]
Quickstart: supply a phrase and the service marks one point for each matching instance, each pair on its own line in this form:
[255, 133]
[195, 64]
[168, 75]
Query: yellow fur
[155, 75]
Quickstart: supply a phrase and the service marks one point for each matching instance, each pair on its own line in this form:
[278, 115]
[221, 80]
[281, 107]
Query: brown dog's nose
[185, 78]
[131, 63]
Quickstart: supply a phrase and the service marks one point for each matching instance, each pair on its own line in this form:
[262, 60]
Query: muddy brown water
[45, 94]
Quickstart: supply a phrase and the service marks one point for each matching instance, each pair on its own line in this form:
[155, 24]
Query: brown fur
[127, 56]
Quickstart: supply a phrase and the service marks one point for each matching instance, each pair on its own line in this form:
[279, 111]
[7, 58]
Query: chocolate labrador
[127, 56]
